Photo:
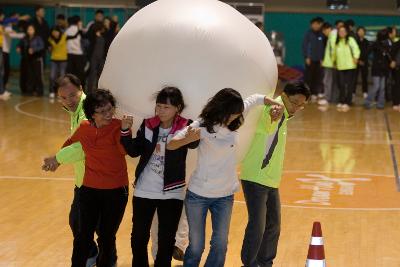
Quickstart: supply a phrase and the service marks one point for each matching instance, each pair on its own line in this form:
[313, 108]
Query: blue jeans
[378, 87]
[196, 210]
[57, 69]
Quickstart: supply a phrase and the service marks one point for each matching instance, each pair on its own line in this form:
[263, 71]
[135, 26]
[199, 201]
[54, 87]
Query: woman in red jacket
[104, 193]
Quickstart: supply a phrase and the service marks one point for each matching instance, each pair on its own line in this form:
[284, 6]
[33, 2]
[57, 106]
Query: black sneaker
[178, 254]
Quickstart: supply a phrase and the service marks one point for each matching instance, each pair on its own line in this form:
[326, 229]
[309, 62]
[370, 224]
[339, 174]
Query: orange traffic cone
[316, 254]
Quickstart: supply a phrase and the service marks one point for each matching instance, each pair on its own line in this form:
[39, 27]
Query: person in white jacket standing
[215, 180]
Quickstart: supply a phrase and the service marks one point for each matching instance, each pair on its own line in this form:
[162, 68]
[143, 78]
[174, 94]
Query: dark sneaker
[178, 254]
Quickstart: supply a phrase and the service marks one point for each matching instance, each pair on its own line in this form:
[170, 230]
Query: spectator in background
[58, 66]
[42, 28]
[350, 27]
[346, 54]
[330, 72]
[392, 31]
[313, 52]
[32, 48]
[395, 65]
[76, 58]
[111, 30]
[61, 22]
[98, 17]
[363, 61]
[259, 25]
[327, 65]
[10, 34]
[97, 55]
[3, 94]
[379, 70]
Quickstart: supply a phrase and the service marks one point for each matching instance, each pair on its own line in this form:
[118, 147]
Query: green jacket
[344, 54]
[330, 46]
[263, 162]
[74, 154]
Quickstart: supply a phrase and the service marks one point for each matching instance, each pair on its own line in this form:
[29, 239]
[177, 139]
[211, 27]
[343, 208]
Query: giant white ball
[199, 46]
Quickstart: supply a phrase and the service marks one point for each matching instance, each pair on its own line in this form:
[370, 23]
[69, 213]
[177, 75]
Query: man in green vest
[261, 172]
[71, 96]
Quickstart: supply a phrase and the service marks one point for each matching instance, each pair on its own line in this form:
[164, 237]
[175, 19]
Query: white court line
[336, 172]
[239, 201]
[323, 130]
[328, 208]
[7, 177]
[17, 107]
[341, 141]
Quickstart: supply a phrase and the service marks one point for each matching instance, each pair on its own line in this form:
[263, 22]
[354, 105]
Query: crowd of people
[72, 48]
[335, 56]
[163, 206]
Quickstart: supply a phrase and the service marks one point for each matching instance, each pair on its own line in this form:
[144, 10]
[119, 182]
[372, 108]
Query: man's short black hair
[99, 11]
[350, 22]
[317, 19]
[68, 79]
[326, 25]
[61, 16]
[37, 7]
[338, 21]
[297, 88]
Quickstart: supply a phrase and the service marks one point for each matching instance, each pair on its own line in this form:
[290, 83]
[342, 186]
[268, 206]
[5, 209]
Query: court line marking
[322, 130]
[332, 208]
[17, 108]
[9, 177]
[392, 151]
[340, 141]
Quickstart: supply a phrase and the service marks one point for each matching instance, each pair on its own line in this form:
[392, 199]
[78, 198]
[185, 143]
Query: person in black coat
[363, 67]
[380, 69]
[395, 65]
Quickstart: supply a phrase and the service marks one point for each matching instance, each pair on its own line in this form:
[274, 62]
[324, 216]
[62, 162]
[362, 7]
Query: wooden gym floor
[339, 170]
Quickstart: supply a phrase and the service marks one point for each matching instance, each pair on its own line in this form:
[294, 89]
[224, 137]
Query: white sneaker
[320, 95]
[339, 105]
[314, 98]
[365, 95]
[4, 96]
[396, 108]
[322, 102]
[52, 95]
[345, 108]
[7, 93]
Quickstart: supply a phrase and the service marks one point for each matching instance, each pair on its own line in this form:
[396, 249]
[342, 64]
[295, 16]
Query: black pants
[6, 61]
[96, 67]
[345, 82]
[76, 65]
[35, 76]
[314, 77]
[102, 209]
[396, 87]
[169, 212]
[74, 223]
[260, 243]
[23, 78]
[364, 78]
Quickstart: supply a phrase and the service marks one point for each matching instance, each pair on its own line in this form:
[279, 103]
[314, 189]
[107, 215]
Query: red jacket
[105, 165]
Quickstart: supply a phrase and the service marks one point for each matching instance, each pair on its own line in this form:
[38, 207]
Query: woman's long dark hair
[346, 39]
[219, 109]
